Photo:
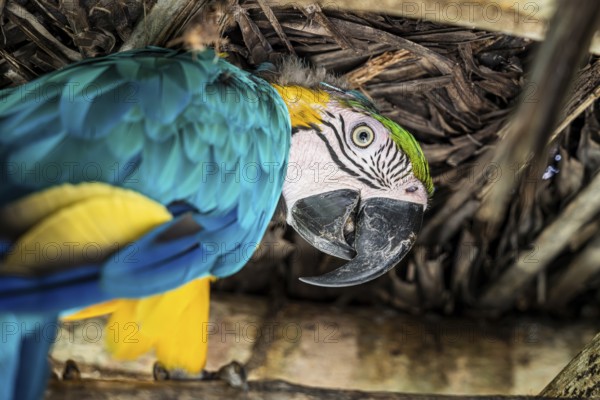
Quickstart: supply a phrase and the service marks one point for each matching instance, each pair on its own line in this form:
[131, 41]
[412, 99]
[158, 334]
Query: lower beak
[385, 231]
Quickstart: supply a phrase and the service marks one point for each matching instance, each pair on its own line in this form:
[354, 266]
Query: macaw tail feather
[174, 324]
[24, 368]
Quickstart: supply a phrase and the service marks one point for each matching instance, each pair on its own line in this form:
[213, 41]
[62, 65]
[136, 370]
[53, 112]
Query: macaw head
[357, 183]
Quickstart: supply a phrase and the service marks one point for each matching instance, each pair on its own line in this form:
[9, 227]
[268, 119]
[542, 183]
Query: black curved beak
[385, 230]
[320, 220]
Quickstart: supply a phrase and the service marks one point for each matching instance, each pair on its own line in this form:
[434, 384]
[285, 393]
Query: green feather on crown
[411, 148]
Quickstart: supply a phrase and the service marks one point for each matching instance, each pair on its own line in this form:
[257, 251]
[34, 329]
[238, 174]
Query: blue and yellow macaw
[130, 181]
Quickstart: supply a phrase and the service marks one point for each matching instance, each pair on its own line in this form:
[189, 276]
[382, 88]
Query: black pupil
[363, 136]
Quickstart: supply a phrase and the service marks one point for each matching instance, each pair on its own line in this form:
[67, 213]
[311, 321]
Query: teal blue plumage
[165, 108]
[190, 131]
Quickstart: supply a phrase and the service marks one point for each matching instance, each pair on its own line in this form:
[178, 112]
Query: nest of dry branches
[453, 88]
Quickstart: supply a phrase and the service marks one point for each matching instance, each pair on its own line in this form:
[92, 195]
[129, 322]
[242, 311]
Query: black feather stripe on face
[384, 171]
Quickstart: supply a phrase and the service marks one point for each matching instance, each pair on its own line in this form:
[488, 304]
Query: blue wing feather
[160, 122]
[217, 123]
[26, 340]
[126, 140]
[198, 136]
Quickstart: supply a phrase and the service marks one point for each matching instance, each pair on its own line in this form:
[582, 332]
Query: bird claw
[71, 371]
[233, 373]
[160, 373]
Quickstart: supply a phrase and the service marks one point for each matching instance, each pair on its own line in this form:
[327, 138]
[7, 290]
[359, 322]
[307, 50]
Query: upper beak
[320, 220]
[385, 230]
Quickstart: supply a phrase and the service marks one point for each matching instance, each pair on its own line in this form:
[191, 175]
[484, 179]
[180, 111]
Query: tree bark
[259, 390]
[523, 18]
[581, 377]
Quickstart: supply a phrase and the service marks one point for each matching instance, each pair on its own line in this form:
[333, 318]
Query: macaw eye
[363, 136]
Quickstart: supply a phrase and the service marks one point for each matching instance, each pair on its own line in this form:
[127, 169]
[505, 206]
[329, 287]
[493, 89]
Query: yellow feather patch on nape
[92, 222]
[304, 105]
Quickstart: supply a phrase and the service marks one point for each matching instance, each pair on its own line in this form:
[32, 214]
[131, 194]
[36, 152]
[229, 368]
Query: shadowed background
[454, 89]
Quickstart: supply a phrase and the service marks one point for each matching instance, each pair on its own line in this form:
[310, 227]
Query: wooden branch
[586, 90]
[530, 128]
[276, 25]
[547, 246]
[314, 12]
[529, 135]
[441, 63]
[524, 18]
[376, 66]
[352, 348]
[575, 276]
[215, 390]
[35, 31]
[159, 25]
[581, 377]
